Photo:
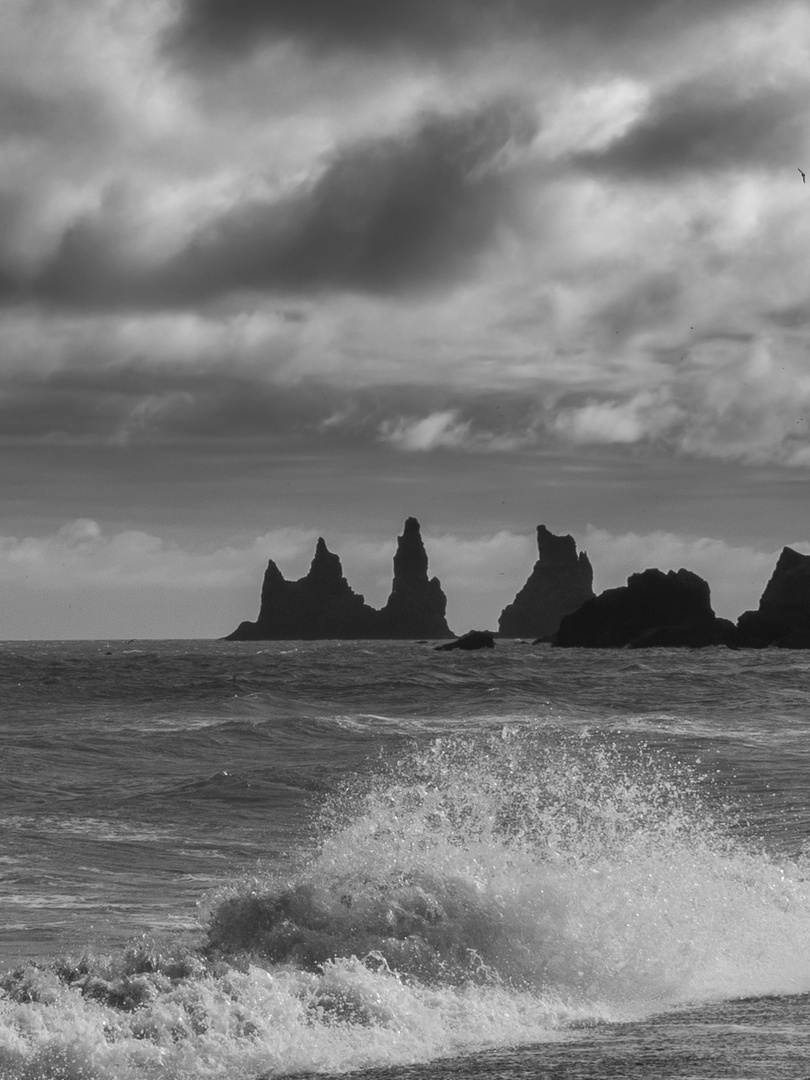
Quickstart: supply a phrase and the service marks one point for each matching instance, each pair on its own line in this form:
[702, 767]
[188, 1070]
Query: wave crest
[477, 892]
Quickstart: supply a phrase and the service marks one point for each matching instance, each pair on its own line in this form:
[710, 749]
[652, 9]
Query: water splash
[478, 892]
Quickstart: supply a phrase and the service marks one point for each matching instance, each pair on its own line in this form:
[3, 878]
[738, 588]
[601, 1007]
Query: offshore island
[557, 605]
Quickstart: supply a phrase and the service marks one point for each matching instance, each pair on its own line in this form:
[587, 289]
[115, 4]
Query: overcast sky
[274, 269]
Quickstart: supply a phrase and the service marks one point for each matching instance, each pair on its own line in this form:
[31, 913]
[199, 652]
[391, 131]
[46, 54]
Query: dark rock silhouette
[320, 605]
[416, 607]
[559, 584]
[653, 610]
[783, 616]
[323, 604]
[473, 639]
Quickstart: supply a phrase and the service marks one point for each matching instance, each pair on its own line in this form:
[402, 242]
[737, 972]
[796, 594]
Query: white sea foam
[480, 892]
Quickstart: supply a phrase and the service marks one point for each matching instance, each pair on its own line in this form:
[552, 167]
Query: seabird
[804, 178]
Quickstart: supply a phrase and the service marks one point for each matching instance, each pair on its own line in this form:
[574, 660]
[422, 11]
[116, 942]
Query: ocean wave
[261, 786]
[477, 892]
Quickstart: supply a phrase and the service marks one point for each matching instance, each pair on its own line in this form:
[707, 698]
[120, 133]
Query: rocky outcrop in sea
[323, 605]
[417, 605]
[557, 604]
[653, 610]
[783, 615]
[320, 605]
[559, 584]
[473, 639]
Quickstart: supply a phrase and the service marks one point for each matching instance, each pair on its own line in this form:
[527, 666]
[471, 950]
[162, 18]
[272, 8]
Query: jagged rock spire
[560, 582]
[416, 607]
[783, 615]
[320, 605]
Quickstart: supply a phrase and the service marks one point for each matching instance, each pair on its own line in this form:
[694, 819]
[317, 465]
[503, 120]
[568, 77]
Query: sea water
[247, 860]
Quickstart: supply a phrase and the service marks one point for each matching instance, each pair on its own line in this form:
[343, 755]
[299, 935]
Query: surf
[473, 892]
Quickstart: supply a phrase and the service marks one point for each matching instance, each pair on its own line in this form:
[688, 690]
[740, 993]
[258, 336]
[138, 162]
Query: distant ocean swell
[474, 892]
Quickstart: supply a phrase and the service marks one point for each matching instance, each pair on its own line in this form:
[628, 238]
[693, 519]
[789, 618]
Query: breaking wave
[479, 892]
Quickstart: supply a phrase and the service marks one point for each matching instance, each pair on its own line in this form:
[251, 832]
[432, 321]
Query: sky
[279, 269]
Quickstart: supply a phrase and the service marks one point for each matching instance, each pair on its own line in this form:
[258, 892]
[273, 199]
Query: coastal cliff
[560, 583]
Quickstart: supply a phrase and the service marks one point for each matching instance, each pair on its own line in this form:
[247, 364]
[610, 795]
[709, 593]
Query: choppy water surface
[248, 860]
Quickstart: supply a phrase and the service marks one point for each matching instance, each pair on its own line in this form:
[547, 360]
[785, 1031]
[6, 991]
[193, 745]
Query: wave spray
[476, 892]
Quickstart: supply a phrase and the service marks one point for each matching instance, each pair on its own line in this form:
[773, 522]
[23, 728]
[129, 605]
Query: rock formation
[416, 607]
[559, 584]
[323, 604]
[320, 605]
[653, 609]
[473, 639]
[783, 616]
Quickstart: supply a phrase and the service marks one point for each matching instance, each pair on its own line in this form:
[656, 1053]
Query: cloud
[704, 126]
[158, 402]
[729, 399]
[238, 26]
[26, 114]
[81, 553]
[480, 574]
[397, 211]
[348, 243]
[438, 429]
[643, 416]
[84, 582]
[752, 408]
[445, 430]
[231, 28]
[176, 399]
[756, 411]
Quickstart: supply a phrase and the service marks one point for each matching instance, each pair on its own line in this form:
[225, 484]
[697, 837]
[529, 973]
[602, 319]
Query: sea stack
[323, 605]
[653, 610]
[320, 605]
[559, 584]
[416, 607]
[783, 616]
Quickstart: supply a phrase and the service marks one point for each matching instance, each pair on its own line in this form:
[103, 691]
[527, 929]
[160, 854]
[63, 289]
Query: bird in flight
[804, 177]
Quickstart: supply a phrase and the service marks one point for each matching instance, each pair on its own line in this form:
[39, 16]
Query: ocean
[257, 859]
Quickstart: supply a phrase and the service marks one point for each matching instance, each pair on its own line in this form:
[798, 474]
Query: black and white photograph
[404, 539]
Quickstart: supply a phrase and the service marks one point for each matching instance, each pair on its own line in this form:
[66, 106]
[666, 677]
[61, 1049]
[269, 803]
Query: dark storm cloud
[386, 214]
[792, 317]
[238, 26]
[142, 401]
[703, 126]
[145, 403]
[25, 113]
[234, 27]
[64, 118]
[12, 213]
[9, 287]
